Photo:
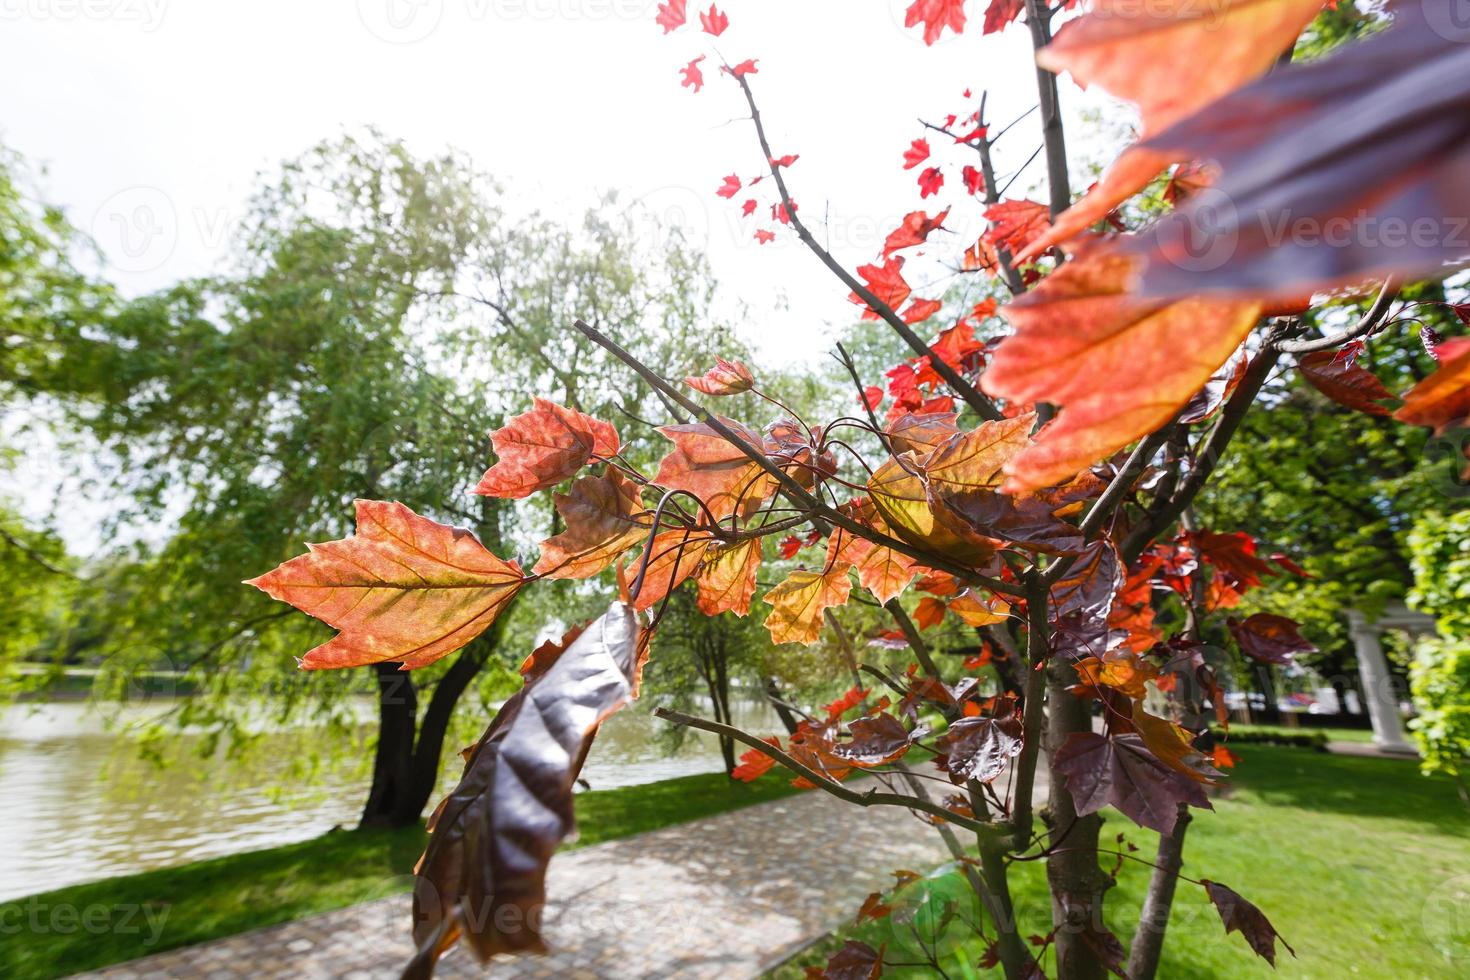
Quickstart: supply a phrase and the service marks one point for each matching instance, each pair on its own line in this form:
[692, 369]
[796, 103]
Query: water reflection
[80, 805]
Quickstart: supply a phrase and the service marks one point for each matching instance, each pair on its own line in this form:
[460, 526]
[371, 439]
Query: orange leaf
[1172, 745]
[755, 763]
[976, 611]
[1344, 382]
[725, 378]
[1442, 400]
[707, 465]
[542, 448]
[929, 612]
[604, 516]
[1124, 672]
[403, 588]
[676, 554]
[1172, 57]
[973, 460]
[1118, 365]
[799, 601]
[727, 581]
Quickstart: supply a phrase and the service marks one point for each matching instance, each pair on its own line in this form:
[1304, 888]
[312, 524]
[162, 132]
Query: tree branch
[981, 405]
[871, 797]
[795, 490]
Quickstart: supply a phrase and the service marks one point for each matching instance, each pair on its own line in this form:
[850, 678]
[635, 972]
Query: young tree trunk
[1078, 883]
[1148, 938]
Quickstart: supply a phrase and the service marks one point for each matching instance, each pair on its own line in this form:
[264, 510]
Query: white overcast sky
[155, 116]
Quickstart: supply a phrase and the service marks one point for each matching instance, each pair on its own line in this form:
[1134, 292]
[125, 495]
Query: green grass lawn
[88, 926]
[1362, 864]
[1332, 734]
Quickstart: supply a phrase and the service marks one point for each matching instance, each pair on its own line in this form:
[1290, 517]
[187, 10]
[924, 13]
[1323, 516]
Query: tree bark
[1148, 938]
[393, 761]
[406, 766]
[1078, 883]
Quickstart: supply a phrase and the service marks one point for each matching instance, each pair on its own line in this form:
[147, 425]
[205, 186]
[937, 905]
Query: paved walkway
[725, 897]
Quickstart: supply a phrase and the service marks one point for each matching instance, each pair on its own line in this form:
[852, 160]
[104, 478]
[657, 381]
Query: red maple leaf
[977, 133]
[930, 181]
[785, 161]
[764, 237]
[872, 396]
[916, 154]
[914, 230]
[920, 310]
[671, 15]
[887, 283]
[730, 187]
[714, 22]
[746, 67]
[749, 208]
[1000, 13]
[789, 546]
[693, 77]
[1015, 224]
[936, 15]
[974, 179]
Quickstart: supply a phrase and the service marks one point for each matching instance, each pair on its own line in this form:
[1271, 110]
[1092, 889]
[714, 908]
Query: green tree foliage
[1440, 674]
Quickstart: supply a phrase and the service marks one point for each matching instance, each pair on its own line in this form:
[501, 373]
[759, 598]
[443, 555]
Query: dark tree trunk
[393, 763]
[1271, 711]
[773, 694]
[406, 767]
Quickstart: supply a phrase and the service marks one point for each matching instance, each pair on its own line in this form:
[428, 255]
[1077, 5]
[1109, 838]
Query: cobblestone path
[724, 897]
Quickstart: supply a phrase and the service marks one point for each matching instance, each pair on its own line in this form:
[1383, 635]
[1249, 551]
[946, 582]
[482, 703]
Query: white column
[1383, 706]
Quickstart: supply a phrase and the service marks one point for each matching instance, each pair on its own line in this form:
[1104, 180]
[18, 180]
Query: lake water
[77, 803]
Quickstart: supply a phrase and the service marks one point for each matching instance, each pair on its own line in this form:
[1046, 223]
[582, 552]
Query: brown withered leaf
[1333, 172]
[855, 961]
[1243, 917]
[483, 876]
[403, 588]
[876, 741]
[979, 748]
[1348, 384]
[922, 433]
[1269, 638]
[604, 517]
[1121, 771]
